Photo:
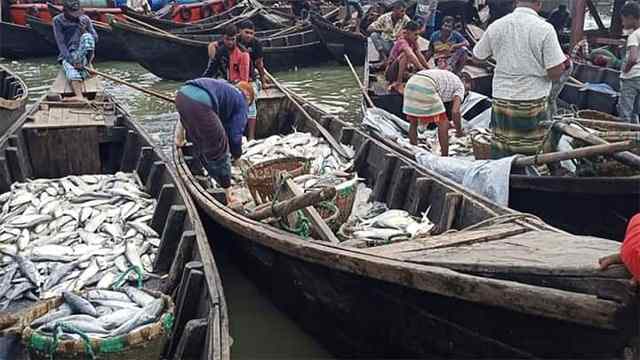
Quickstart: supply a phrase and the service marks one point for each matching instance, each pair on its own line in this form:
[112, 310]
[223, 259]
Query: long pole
[133, 86]
[324, 132]
[362, 89]
[605, 149]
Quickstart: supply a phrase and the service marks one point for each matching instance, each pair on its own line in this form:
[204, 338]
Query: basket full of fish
[72, 233]
[123, 324]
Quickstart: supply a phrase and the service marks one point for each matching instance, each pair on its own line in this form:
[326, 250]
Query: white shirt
[524, 46]
[632, 40]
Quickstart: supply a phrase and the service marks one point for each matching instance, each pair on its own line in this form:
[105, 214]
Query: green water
[259, 330]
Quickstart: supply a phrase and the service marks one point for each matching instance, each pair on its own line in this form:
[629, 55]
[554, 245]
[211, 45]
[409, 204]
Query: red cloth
[239, 64]
[630, 250]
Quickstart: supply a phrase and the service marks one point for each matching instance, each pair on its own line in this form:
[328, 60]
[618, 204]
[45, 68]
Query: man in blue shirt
[214, 115]
[448, 45]
[76, 38]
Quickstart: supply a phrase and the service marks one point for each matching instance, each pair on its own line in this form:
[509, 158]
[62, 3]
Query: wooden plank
[14, 163]
[130, 151]
[170, 237]
[452, 202]
[115, 136]
[145, 160]
[317, 223]
[408, 249]
[183, 255]
[5, 178]
[360, 158]
[382, 178]
[18, 141]
[346, 135]
[418, 195]
[166, 199]
[154, 180]
[192, 340]
[398, 188]
[190, 292]
[83, 154]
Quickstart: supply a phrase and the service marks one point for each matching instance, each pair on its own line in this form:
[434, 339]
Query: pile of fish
[73, 232]
[101, 313]
[372, 223]
[298, 144]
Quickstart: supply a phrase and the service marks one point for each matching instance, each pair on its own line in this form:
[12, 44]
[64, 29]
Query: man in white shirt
[630, 74]
[528, 58]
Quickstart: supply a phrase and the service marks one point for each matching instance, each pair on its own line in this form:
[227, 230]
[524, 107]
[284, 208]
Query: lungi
[422, 101]
[515, 125]
[79, 56]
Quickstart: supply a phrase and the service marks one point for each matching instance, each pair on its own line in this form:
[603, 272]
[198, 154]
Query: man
[449, 44]
[557, 86]
[559, 18]
[629, 254]
[256, 55]
[630, 75]
[214, 115]
[76, 38]
[227, 60]
[404, 57]
[385, 30]
[424, 103]
[528, 58]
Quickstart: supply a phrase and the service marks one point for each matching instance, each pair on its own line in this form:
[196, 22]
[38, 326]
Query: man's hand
[78, 66]
[455, 116]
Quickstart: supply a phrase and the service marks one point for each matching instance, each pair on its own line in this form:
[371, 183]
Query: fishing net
[145, 342]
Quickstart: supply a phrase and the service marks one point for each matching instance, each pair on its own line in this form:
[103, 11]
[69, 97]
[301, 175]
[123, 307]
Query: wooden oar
[362, 89]
[139, 88]
[606, 149]
[324, 132]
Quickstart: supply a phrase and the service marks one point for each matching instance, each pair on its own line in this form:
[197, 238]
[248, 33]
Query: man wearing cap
[76, 38]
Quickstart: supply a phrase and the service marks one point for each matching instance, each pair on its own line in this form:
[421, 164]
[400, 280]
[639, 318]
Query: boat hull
[21, 42]
[341, 43]
[108, 46]
[13, 98]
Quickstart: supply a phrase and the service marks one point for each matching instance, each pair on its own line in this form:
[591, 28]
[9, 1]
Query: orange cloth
[630, 250]
[422, 120]
[239, 64]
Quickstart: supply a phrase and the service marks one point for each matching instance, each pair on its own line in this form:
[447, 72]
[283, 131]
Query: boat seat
[571, 94]
[599, 101]
[588, 73]
[62, 87]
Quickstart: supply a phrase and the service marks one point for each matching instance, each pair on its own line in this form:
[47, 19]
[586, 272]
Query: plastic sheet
[599, 87]
[489, 178]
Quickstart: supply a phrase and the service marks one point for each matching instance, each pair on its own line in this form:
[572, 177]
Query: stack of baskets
[481, 144]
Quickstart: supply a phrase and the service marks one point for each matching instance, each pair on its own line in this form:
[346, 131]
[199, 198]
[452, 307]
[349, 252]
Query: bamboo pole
[362, 89]
[324, 132]
[625, 157]
[285, 207]
[605, 149]
[133, 86]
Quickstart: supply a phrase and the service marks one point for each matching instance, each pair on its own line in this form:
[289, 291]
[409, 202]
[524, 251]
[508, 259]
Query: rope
[58, 329]
[501, 219]
[123, 277]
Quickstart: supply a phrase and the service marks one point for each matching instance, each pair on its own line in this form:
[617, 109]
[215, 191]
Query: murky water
[259, 329]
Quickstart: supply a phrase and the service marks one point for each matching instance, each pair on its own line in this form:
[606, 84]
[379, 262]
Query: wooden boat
[107, 140]
[340, 42]
[261, 21]
[184, 58]
[20, 42]
[13, 98]
[592, 99]
[527, 290]
[108, 46]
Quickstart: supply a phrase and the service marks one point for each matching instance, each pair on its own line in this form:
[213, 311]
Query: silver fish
[118, 317]
[29, 270]
[138, 296]
[78, 304]
[146, 315]
[63, 311]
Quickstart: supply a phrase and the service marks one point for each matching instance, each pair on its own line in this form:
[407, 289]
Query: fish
[5, 282]
[118, 317]
[84, 323]
[59, 273]
[146, 315]
[29, 270]
[102, 294]
[78, 304]
[88, 273]
[140, 297]
[63, 311]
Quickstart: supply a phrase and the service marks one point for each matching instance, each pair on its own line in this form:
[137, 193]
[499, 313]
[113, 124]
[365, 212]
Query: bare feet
[607, 261]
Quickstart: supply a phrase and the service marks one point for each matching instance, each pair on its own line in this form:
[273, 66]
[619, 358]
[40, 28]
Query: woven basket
[345, 197]
[145, 343]
[481, 149]
[261, 177]
[597, 115]
[329, 213]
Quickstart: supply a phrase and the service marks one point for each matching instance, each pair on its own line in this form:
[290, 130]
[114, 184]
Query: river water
[258, 328]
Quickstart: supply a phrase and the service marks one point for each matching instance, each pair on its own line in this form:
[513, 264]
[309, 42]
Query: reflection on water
[258, 328]
[331, 87]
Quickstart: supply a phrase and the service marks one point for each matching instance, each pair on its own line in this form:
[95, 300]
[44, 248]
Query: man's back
[524, 47]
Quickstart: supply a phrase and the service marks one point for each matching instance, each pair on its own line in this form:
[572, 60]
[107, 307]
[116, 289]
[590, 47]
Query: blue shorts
[253, 109]
[220, 170]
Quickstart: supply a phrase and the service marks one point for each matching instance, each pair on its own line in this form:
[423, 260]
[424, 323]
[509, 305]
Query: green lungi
[515, 126]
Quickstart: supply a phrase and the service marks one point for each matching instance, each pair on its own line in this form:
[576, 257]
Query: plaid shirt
[385, 25]
[447, 83]
[580, 52]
